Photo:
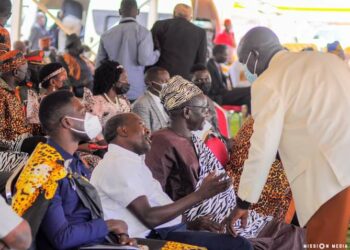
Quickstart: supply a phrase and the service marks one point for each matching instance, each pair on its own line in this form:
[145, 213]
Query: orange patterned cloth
[73, 66]
[5, 37]
[170, 245]
[12, 117]
[42, 172]
[276, 195]
[11, 60]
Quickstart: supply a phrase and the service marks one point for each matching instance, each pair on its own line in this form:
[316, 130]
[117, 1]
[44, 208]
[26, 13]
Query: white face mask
[92, 125]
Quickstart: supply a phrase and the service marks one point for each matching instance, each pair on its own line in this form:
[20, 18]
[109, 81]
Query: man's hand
[120, 229]
[117, 227]
[205, 223]
[213, 185]
[235, 215]
[124, 239]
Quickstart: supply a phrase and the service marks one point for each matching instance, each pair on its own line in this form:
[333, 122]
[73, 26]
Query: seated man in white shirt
[148, 106]
[15, 232]
[128, 190]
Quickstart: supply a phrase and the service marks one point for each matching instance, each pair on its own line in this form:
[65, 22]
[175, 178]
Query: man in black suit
[182, 44]
[221, 91]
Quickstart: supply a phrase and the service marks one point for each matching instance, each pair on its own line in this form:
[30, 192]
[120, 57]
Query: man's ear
[186, 113]
[122, 131]
[66, 123]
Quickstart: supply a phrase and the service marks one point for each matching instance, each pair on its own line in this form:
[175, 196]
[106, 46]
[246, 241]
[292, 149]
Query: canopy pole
[16, 20]
[43, 8]
[153, 13]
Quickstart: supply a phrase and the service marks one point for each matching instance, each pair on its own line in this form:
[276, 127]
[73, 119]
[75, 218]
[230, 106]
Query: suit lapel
[155, 109]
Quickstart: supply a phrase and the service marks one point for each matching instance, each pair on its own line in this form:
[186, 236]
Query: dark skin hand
[120, 229]
[236, 214]
[152, 217]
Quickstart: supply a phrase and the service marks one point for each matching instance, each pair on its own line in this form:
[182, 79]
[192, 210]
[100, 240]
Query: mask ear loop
[246, 63]
[256, 62]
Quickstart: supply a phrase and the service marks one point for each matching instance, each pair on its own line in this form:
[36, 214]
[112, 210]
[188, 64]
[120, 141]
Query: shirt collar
[114, 148]
[127, 19]
[60, 150]
[154, 96]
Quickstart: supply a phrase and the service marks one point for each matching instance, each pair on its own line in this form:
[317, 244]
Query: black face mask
[123, 89]
[206, 88]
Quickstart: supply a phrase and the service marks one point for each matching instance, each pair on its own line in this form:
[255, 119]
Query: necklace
[110, 101]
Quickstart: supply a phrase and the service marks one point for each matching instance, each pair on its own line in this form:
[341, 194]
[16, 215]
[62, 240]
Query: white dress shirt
[120, 178]
[8, 219]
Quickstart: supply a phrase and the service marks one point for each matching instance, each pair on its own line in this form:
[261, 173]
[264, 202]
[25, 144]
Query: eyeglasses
[204, 109]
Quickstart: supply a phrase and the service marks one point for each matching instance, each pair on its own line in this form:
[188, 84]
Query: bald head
[261, 43]
[183, 10]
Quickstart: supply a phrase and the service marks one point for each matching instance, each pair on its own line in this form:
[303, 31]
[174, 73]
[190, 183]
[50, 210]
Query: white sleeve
[119, 184]
[8, 219]
[268, 114]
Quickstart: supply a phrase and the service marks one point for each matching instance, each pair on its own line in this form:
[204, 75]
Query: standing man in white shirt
[15, 232]
[130, 44]
[128, 190]
[300, 105]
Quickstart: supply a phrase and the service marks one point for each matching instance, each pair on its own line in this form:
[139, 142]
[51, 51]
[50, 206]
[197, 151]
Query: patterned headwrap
[177, 92]
[53, 74]
[11, 60]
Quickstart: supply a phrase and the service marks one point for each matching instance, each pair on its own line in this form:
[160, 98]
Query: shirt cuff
[101, 226]
[242, 204]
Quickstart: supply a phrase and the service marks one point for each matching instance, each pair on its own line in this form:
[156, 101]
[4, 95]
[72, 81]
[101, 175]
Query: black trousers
[212, 241]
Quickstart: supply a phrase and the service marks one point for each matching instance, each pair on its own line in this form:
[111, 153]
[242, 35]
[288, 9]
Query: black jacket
[218, 81]
[181, 44]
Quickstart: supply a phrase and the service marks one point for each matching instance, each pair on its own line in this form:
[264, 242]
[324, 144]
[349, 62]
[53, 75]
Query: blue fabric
[67, 224]
[212, 241]
[131, 45]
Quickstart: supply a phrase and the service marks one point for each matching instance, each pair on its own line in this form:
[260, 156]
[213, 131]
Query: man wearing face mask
[79, 73]
[202, 79]
[55, 196]
[148, 106]
[300, 104]
[13, 69]
[110, 86]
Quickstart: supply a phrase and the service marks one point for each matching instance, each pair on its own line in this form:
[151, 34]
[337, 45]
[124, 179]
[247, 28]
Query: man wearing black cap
[293, 106]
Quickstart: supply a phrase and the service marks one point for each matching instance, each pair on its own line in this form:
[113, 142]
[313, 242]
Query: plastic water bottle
[234, 122]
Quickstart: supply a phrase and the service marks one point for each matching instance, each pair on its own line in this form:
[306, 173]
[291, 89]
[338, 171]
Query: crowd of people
[127, 150]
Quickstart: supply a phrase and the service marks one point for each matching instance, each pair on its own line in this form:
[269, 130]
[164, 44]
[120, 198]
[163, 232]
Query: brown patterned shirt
[276, 195]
